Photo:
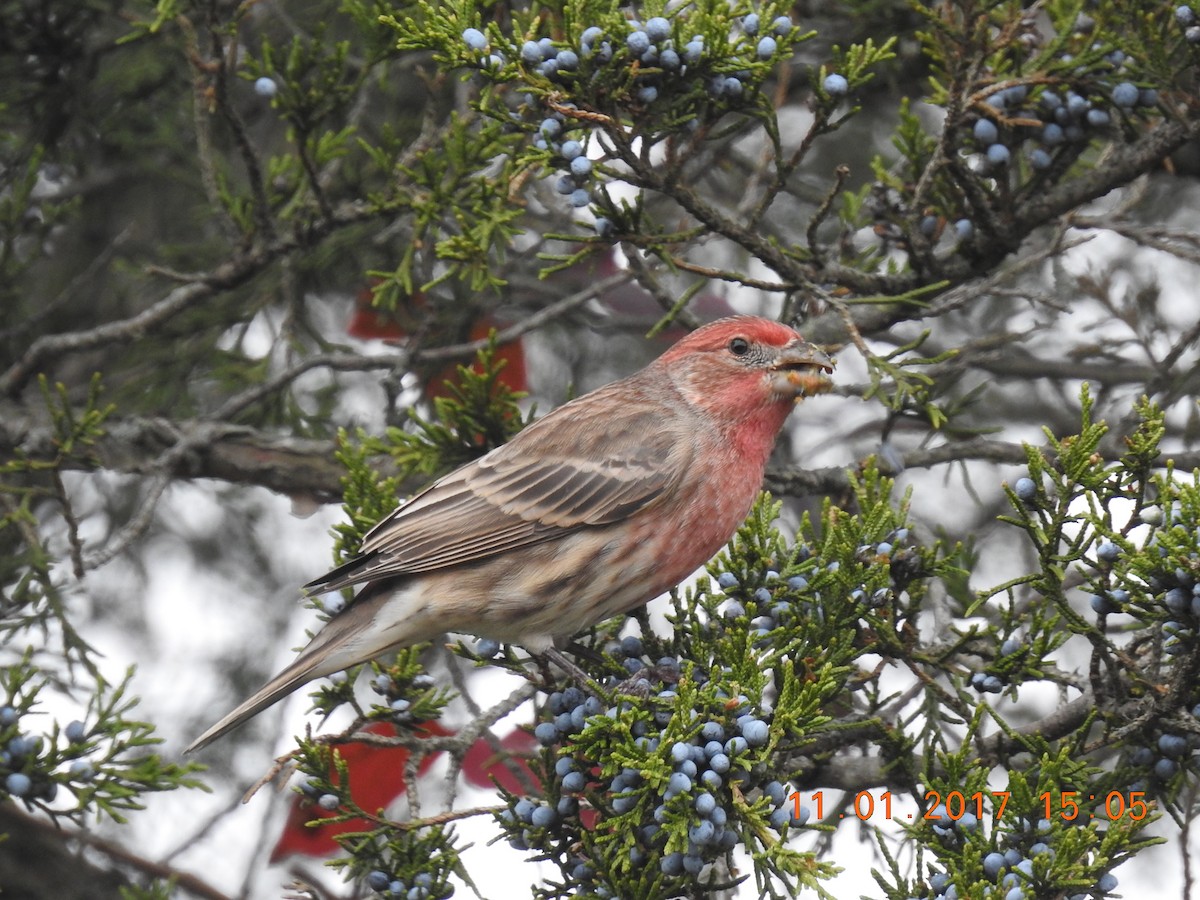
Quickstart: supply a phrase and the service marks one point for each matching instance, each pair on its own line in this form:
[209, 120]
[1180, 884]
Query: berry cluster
[569, 155]
[313, 789]
[1048, 122]
[657, 59]
[1017, 867]
[1159, 587]
[24, 762]
[1171, 597]
[422, 887]
[1167, 591]
[678, 756]
[627, 68]
[995, 682]
[683, 780]
[931, 227]
[1027, 122]
[1185, 17]
[1173, 585]
[777, 603]
[1168, 755]
[1144, 568]
[399, 694]
[950, 831]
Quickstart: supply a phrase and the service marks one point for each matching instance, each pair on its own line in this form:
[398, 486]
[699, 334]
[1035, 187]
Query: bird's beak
[801, 370]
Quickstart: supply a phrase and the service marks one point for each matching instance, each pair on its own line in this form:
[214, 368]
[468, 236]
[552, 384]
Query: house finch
[590, 511]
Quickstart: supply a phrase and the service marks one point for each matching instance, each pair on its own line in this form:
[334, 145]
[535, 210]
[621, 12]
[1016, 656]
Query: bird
[589, 512]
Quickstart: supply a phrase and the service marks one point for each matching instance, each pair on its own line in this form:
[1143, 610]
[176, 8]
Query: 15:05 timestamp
[1068, 806]
[1113, 805]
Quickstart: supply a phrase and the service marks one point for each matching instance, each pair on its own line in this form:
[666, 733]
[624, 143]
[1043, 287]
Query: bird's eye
[739, 346]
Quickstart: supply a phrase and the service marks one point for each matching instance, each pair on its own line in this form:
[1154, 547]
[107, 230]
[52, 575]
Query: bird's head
[746, 362]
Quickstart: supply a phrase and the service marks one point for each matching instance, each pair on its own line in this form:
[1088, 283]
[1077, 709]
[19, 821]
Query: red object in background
[511, 376]
[376, 776]
[371, 323]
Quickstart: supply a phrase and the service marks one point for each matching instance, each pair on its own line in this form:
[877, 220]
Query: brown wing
[547, 481]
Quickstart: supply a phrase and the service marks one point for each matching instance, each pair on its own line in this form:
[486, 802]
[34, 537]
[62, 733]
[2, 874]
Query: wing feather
[546, 482]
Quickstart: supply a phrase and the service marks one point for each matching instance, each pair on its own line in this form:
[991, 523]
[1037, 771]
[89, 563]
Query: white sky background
[195, 614]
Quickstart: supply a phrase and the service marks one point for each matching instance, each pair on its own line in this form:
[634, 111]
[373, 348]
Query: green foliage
[426, 856]
[903, 388]
[463, 178]
[1085, 798]
[1074, 504]
[420, 853]
[156, 890]
[314, 78]
[915, 145]
[857, 63]
[405, 679]
[367, 497]
[830, 601]
[101, 762]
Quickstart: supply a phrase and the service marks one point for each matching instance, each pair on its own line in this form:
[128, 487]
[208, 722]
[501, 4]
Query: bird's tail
[303, 670]
[347, 639]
